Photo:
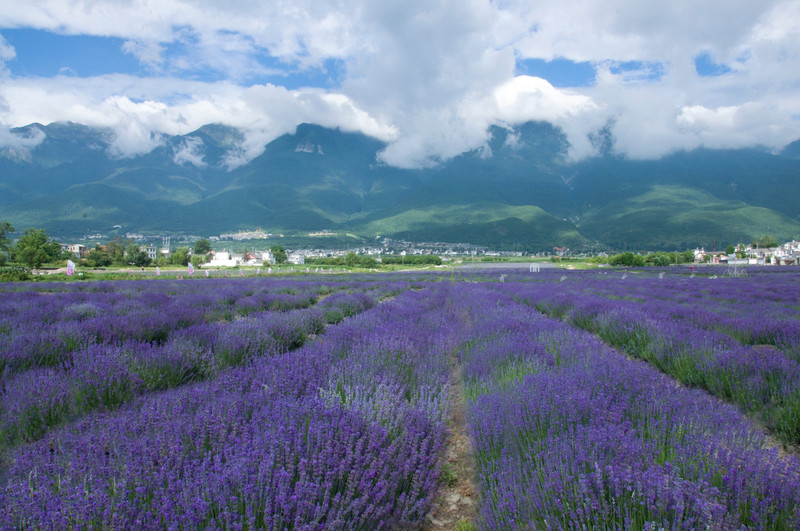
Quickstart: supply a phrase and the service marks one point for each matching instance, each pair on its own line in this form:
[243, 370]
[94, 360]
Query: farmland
[593, 399]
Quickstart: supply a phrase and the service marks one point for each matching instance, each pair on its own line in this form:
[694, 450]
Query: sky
[429, 77]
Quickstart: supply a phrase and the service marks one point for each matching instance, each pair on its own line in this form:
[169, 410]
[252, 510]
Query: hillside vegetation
[519, 192]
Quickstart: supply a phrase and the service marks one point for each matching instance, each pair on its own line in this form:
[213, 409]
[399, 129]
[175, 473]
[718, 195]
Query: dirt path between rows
[456, 504]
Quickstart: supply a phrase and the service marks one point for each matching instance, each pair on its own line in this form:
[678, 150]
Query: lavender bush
[571, 434]
[684, 342]
[263, 445]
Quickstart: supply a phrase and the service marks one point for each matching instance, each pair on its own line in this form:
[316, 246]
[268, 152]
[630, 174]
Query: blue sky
[428, 77]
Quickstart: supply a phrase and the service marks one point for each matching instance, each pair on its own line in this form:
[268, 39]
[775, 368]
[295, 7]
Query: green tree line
[659, 258]
[352, 259]
[35, 248]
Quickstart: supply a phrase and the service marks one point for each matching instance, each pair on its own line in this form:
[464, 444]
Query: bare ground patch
[456, 504]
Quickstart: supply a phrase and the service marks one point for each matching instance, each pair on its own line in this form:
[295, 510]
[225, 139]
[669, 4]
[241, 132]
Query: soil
[456, 503]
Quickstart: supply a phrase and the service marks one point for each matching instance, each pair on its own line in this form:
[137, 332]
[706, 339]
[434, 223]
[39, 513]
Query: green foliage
[116, 250]
[35, 248]
[354, 260]
[449, 476]
[138, 257]
[465, 525]
[415, 259]
[350, 260]
[98, 258]
[5, 242]
[201, 247]
[730, 249]
[326, 261]
[659, 259]
[741, 252]
[14, 274]
[180, 256]
[627, 259]
[279, 253]
[198, 260]
[766, 242]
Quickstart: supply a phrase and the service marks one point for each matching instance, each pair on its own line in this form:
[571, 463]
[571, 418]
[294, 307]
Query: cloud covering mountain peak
[429, 78]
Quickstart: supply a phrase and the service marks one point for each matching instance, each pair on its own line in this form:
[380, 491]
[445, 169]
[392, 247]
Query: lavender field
[594, 399]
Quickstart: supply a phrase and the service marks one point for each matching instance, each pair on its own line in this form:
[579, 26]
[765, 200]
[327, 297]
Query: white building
[77, 250]
[221, 259]
[152, 252]
[228, 259]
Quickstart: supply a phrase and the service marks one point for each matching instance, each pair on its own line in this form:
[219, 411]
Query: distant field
[601, 398]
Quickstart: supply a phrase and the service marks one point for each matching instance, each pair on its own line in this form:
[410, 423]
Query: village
[784, 254]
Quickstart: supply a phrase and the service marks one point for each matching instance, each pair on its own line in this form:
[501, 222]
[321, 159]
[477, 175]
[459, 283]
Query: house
[250, 258]
[296, 258]
[263, 257]
[75, 249]
[221, 259]
[152, 252]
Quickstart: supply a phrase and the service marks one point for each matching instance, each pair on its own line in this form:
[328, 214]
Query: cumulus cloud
[526, 98]
[428, 77]
[262, 112]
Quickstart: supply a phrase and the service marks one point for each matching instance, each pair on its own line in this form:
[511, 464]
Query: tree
[180, 256]
[627, 259]
[138, 257]
[5, 230]
[279, 254]
[202, 247]
[116, 250]
[730, 249]
[766, 242]
[98, 258]
[741, 252]
[198, 260]
[5, 241]
[35, 248]
[686, 257]
[659, 259]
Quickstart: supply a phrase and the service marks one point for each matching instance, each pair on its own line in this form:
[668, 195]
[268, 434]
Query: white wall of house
[221, 259]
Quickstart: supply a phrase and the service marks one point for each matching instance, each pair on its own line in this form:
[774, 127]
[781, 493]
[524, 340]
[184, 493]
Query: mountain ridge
[519, 191]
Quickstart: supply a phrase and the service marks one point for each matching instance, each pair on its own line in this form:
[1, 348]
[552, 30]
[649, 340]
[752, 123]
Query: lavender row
[41, 329]
[759, 310]
[105, 376]
[300, 440]
[755, 310]
[762, 379]
[568, 433]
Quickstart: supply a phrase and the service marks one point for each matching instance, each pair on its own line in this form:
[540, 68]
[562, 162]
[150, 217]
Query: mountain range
[520, 191]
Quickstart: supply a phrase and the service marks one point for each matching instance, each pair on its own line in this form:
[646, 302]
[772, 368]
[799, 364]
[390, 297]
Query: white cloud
[20, 144]
[263, 112]
[429, 76]
[528, 98]
[7, 52]
[190, 151]
[149, 53]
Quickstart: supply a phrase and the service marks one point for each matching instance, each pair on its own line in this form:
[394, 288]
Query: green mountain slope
[517, 192]
[677, 217]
